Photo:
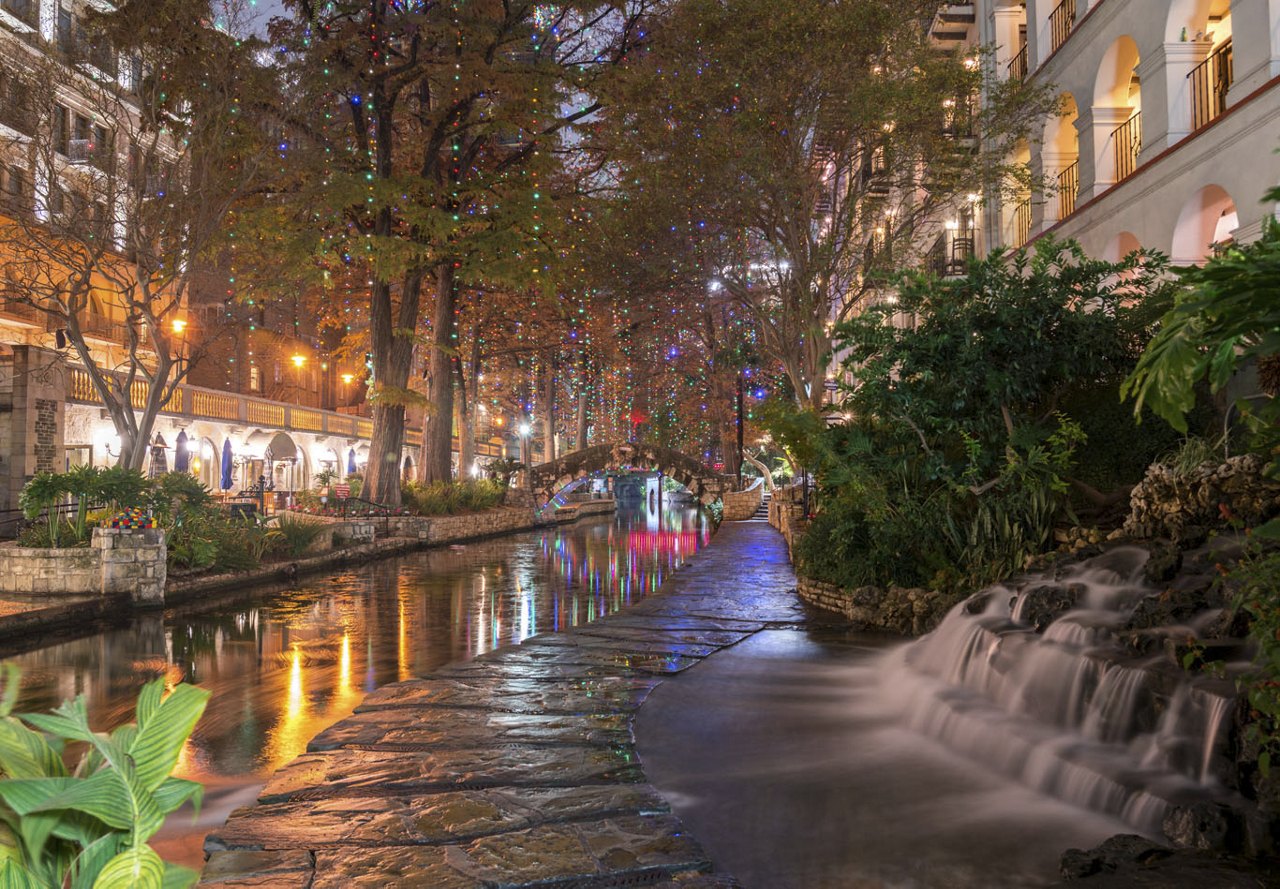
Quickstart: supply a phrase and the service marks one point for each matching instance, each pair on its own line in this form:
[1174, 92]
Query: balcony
[17, 310]
[1128, 143]
[950, 255]
[1019, 66]
[1061, 21]
[1068, 190]
[1022, 223]
[1209, 82]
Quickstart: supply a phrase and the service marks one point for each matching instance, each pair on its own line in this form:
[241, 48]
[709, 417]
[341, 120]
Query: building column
[1166, 94]
[1007, 20]
[1255, 46]
[1097, 149]
[1052, 163]
[36, 421]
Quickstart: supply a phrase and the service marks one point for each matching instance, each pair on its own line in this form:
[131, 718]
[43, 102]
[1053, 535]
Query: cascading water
[1034, 681]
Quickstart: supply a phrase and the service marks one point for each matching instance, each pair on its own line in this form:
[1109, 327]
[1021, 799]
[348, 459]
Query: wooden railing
[1128, 141]
[1061, 21]
[1022, 223]
[1209, 82]
[1068, 190]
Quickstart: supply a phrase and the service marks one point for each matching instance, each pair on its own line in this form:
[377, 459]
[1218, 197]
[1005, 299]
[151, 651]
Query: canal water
[286, 665]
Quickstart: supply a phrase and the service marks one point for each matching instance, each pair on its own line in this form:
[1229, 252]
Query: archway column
[1097, 150]
[1255, 46]
[1166, 94]
[1007, 19]
[1052, 163]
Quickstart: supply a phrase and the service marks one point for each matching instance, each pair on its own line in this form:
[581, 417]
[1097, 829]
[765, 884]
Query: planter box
[118, 562]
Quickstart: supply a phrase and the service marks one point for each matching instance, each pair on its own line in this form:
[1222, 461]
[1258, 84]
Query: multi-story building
[1168, 126]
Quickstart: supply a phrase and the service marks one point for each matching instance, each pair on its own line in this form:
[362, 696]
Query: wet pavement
[518, 768]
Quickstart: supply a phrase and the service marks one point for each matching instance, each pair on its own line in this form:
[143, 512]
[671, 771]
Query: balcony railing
[1128, 142]
[1022, 223]
[21, 311]
[1019, 65]
[1068, 189]
[950, 255]
[1209, 83]
[1061, 21]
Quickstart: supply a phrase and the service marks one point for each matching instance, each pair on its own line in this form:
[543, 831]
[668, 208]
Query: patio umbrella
[181, 456]
[351, 461]
[159, 460]
[226, 465]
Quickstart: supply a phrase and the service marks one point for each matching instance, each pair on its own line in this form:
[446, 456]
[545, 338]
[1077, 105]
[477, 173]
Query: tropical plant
[451, 498]
[88, 827]
[83, 482]
[1225, 317]
[175, 494]
[42, 494]
[294, 536]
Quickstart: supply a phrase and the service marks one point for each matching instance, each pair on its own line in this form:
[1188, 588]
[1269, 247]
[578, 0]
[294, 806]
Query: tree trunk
[580, 431]
[391, 341]
[466, 428]
[729, 447]
[437, 437]
[549, 411]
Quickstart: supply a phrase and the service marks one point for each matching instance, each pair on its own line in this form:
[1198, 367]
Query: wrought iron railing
[1128, 141]
[1061, 21]
[1019, 65]
[1022, 223]
[1209, 82]
[1068, 190]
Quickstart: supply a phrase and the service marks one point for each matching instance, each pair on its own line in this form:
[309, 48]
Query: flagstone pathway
[517, 768]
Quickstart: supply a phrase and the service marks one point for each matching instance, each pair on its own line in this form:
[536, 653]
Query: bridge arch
[549, 479]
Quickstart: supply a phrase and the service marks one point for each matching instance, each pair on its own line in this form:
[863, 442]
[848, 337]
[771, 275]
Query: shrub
[294, 536]
[89, 825]
[444, 498]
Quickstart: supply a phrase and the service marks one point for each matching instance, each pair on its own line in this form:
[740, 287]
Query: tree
[807, 158]
[423, 168]
[132, 186]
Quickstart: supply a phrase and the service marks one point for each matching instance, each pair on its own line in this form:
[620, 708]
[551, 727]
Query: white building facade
[1169, 122]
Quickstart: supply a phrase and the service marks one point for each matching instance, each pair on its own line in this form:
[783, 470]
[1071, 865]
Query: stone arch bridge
[548, 479]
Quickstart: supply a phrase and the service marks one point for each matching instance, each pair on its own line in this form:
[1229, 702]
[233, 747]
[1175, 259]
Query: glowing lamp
[299, 360]
[178, 325]
[347, 378]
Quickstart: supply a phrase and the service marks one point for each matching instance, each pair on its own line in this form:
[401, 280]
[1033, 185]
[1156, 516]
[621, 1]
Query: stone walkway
[518, 768]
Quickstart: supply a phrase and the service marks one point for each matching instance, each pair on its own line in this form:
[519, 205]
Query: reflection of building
[1169, 121]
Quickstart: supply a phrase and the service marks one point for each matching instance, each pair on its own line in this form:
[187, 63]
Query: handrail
[1128, 141]
[1022, 223]
[1209, 82]
[1019, 65]
[1068, 189]
[1061, 21]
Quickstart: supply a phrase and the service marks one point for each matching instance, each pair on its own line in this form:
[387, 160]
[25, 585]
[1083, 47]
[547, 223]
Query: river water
[285, 665]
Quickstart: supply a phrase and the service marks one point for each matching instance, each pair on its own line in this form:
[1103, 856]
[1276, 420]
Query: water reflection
[282, 671]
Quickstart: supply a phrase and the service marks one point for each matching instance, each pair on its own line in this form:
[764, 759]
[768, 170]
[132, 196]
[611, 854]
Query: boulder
[1041, 604]
[1163, 562]
[1120, 851]
[1212, 827]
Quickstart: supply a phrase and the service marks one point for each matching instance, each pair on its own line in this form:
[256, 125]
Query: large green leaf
[176, 877]
[93, 858]
[105, 795]
[14, 876]
[24, 797]
[173, 792]
[163, 729]
[27, 754]
[135, 868]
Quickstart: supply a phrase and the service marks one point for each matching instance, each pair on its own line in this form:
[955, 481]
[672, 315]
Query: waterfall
[1033, 680]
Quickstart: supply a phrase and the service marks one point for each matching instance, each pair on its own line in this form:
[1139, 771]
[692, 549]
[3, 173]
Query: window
[65, 35]
[13, 184]
[61, 129]
[276, 369]
[255, 378]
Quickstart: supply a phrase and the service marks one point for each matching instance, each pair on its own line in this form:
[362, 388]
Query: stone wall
[900, 610]
[449, 529]
[1184, 507]
[741, 505]
[117, 563]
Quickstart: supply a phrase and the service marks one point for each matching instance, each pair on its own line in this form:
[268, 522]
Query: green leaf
[93, 858]
[173, 792]
[160, 737]
[104, 795]
[136, 868]
[27, 754]
[14, 876]
[176, 877]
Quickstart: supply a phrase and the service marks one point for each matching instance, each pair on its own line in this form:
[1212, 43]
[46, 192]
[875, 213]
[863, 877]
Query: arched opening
[1061, 158]
[406, 470]
[1205, 225]
[1015, 222]
[207, 464]
[1204, 27]
[1121, 246]
[1117, 112]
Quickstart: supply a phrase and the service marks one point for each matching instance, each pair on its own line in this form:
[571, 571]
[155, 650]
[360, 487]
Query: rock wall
[449, 529]
[741, 505]
[1185, 507]
[118, 563]
[906, 612]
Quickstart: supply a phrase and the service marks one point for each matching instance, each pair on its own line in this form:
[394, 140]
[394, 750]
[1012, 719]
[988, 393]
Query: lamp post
[524, 431]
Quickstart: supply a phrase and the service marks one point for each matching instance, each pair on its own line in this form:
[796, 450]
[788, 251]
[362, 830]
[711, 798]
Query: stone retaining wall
[741, 505]
[449, 529]
[118, 562]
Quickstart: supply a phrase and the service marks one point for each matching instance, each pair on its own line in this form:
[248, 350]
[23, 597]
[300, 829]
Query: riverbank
[517, 768]
[49, 615]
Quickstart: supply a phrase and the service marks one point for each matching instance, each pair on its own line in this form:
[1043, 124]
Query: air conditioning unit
[81, 151]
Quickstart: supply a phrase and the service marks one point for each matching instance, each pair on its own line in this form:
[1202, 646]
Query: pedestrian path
[518, 768]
